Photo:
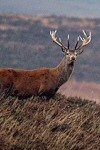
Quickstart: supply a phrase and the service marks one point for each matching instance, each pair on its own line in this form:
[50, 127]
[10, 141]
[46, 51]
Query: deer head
[70, 54]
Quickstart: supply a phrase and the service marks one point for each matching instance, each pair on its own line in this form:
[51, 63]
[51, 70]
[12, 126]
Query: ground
[57, 124]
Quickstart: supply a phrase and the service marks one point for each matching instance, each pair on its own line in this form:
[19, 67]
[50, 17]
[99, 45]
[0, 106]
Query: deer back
[28, 82]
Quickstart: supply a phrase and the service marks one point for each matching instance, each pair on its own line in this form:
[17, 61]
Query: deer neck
[64, 70]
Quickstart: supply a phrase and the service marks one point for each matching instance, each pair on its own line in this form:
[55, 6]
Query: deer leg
[42, 89]
[48, 92]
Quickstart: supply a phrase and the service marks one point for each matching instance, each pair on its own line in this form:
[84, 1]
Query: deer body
[38, 82]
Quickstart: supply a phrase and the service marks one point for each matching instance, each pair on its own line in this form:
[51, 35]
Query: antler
[79, 49]
[85, 41]
[59, 41]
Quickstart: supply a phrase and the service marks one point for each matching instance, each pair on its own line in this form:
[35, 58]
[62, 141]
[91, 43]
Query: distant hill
[85, 90]
[25, 43]
[57, 124]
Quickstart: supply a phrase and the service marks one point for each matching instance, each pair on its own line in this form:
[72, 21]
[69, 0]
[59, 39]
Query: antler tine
[63, 47]
[68, 41]
[54, 38]
[85, 41]
[58, 42]
[84, 33]
[77, 43]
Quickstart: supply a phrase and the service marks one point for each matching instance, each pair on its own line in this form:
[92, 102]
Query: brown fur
[37, 82]
[25, 83]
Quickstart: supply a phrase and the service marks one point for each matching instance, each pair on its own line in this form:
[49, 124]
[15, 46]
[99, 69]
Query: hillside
[57, 124]
[25, 42]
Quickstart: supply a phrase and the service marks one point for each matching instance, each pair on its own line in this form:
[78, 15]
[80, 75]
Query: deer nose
[73, 58]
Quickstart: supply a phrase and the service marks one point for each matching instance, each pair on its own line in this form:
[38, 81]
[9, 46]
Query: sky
[69, 8]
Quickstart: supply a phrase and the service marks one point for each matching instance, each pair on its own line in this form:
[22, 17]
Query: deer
[43, 81]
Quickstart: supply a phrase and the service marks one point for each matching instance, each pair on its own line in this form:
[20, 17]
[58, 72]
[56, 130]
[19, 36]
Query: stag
[42, 81]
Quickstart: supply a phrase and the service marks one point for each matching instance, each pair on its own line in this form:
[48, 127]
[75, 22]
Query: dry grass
[57, 124]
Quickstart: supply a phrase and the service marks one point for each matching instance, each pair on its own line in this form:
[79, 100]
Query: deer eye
[67, 53]
[76, 54]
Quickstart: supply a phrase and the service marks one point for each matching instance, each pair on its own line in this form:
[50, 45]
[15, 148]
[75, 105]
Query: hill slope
[58, 124]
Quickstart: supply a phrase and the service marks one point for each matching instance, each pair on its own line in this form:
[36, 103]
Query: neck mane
[64, 70]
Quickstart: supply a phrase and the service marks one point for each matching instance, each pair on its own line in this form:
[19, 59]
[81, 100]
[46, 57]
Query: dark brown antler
[77, 43]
